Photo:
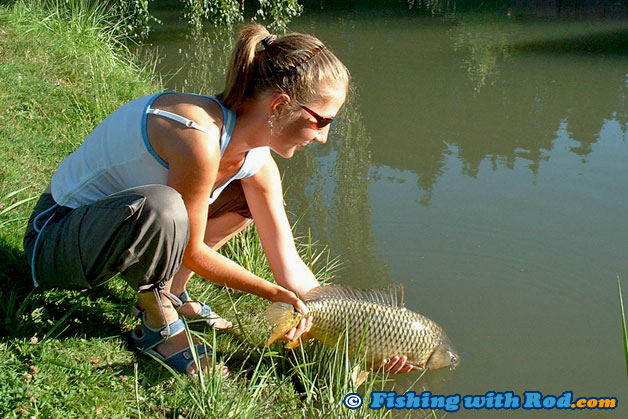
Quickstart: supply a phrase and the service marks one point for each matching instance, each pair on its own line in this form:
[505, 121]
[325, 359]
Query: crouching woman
[165, 180]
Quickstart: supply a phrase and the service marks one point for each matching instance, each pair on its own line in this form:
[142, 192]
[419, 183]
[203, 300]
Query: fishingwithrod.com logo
[493, 400]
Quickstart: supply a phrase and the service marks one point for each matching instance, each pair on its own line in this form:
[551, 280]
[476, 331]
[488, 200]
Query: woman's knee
[159, 238]
[164, 206]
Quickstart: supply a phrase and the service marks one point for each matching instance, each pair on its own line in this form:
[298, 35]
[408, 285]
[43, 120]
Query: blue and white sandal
[147, 338]
[206, 315]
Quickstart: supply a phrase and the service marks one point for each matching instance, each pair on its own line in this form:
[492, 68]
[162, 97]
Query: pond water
[482, 162]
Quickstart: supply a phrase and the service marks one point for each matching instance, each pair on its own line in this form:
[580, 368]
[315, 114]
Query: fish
[370, 321]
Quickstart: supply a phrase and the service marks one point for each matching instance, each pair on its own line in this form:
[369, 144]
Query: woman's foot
[193, 309]
[173, 347]
[179, 342]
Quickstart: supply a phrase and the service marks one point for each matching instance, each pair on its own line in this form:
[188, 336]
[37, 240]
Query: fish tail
[283, 318]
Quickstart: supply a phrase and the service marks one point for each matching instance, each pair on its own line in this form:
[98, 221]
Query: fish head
[444, 355]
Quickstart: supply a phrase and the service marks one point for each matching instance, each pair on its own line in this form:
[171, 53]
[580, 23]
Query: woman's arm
[264, 196]
[193, 158]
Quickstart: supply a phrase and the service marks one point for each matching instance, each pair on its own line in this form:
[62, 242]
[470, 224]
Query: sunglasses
[321, 122]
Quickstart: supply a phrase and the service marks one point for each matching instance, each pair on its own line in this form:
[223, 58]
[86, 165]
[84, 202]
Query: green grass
[66, 354]
[623, 323]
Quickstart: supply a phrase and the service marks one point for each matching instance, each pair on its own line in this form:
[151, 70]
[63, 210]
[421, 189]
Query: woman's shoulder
[204, 110]
[173, 138]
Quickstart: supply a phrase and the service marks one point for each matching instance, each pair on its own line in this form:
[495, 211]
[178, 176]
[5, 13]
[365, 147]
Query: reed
[623, 323]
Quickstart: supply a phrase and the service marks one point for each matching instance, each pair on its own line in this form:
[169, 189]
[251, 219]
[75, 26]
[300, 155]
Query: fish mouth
[443, 356]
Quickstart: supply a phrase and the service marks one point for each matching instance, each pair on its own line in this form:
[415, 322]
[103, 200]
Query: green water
[482, 162]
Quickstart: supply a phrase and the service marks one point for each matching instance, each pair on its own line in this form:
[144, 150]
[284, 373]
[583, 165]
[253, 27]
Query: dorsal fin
[392, 295]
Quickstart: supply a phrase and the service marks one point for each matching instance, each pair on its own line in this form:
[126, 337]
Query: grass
[66, 353]
[623, 323]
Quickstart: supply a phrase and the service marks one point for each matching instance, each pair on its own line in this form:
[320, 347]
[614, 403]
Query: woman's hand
[305, 324]
[395, 365]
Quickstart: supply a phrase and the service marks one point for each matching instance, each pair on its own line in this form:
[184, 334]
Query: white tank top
[117, 155]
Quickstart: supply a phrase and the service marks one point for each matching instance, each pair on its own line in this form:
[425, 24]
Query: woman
[133, 198]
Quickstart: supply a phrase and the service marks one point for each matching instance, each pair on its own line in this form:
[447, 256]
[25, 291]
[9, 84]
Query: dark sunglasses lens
[324, 122]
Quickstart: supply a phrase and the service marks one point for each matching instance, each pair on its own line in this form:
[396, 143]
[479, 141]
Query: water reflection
[482, 43]
[483, 89]
[609, 41]
[483, 102]
[193, 60]
[207, 55]
[342, 167]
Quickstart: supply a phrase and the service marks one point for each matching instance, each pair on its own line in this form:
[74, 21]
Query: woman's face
[305, 130]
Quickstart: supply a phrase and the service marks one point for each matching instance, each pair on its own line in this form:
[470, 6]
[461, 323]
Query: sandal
[206, 315]
[146, 338]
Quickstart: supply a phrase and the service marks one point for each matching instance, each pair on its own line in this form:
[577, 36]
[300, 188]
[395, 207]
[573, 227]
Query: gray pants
[140, 232]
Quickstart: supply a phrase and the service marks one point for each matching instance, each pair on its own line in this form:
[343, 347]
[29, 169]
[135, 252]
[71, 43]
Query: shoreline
[66, 353]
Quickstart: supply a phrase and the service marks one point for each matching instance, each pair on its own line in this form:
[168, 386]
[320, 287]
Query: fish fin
[293, 344]
[392, 295]
[305, 337]
[283, 318]
[358, 376]
[362, 378]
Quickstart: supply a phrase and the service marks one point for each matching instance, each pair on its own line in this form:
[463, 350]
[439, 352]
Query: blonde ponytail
[240, 70]
[296, 64]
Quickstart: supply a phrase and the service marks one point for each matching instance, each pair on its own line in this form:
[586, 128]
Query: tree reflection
[482, 43]
[342, 166]
[424, 102]
[198, 59]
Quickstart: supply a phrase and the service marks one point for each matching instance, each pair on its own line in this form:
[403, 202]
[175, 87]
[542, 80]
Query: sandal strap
[152, 337]
[176, 303]
[181, 361]
[206, 311]
[158, 292]
[184, 297]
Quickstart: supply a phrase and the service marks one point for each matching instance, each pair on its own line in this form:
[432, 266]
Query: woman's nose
[321, 136]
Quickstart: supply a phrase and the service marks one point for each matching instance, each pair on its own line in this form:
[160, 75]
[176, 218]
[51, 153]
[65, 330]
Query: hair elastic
[269, 39]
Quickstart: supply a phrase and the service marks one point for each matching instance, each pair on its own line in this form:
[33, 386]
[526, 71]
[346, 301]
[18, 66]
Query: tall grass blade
[60, 322]
[12, 194]
[16, 204]
[623, 323]
[137, 391]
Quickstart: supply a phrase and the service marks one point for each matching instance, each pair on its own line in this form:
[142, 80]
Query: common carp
[376, 318]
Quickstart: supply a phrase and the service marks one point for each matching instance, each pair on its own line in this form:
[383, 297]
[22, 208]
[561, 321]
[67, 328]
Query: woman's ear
[278, 102]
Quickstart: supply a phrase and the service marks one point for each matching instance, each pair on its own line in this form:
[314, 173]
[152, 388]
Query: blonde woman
[167, 179]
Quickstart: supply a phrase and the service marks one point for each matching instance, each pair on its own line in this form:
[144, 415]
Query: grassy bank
[67, 354]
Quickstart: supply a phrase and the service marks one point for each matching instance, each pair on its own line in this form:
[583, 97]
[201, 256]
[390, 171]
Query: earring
[271, 123]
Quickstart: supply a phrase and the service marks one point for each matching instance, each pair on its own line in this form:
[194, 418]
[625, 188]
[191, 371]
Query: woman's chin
[285, 153]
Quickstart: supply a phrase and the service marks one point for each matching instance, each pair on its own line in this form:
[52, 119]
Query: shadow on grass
[26, 312]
